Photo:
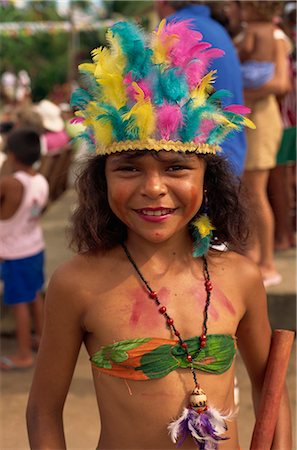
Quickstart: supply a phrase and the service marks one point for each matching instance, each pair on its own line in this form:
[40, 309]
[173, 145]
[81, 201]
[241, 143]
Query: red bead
[177, 333]
[170, 321]
[189, 358]
[203, 337]
[202, 344]
[208, 285]
[162, 310]
[153, 295]
[184, 345]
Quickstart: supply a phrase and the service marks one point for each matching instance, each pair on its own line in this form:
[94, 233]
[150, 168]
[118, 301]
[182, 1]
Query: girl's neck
[174, 252]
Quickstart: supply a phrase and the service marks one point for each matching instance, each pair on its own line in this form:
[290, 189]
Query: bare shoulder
[236, 264]
[237, 270]
[9, 182]
[87, 269]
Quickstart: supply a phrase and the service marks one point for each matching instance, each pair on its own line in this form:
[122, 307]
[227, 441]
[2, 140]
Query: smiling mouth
[155, 212]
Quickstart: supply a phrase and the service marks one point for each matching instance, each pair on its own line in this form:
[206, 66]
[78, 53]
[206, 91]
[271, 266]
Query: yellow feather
[201, 92]
[248, 123]
[160, 48]
[204, 226]
[113, 90]
[87, 67]
[143, 117]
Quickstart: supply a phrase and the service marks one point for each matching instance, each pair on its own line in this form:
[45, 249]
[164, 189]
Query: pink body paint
[142, 307]
[221, 297]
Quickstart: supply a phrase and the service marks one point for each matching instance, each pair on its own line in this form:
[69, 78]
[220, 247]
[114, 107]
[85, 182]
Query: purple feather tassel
[206, 428]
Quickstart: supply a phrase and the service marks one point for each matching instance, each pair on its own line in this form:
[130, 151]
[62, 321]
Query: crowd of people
[189, 222]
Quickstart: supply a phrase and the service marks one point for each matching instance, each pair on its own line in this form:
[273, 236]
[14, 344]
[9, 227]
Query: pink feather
[211, 54]
[194, 73]
[205, 128]
[238, 109]
[77, 120]
[169, 117]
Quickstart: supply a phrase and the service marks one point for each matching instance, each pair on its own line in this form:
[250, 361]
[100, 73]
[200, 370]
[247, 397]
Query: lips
[155, 212]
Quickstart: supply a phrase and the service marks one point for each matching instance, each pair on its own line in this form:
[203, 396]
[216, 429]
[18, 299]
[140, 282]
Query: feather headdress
[155, 95]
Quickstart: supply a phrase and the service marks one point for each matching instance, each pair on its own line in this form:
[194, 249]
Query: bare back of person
[112, 302]
[258, 44]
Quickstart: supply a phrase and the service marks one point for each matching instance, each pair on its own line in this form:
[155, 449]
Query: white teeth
[160, 212]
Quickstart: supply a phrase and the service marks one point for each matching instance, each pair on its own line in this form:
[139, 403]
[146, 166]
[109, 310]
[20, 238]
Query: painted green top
[151, 358]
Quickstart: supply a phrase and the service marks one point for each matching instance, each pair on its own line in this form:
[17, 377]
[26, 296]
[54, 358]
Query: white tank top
[21, 235]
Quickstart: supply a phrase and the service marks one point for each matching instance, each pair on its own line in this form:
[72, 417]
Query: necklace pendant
[198, 400]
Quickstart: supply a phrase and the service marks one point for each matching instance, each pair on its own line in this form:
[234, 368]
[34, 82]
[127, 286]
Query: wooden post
[275, 375]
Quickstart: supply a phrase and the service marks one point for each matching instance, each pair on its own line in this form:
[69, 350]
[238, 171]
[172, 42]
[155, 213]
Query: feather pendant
[201, 229]
[205, 425]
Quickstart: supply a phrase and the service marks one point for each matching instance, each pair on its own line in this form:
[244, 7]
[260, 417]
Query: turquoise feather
[89, 83]
[133, 47]
[80, 98]
[174, 86]
[200, 244]
[114, 117]
[191, 120]
[87, 137]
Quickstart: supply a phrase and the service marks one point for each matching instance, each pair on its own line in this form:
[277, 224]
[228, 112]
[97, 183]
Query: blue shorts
[22, 278]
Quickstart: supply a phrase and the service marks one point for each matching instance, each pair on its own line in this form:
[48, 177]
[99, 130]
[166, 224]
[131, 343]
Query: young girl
[161, 316]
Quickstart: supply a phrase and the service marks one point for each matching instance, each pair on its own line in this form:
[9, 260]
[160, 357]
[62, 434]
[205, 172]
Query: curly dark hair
[95, 227]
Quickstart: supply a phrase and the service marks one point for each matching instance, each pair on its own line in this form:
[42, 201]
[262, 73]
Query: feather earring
[201, 229]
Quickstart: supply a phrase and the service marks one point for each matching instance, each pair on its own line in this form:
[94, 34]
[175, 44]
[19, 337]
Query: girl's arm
[60, 344]
[254, 337]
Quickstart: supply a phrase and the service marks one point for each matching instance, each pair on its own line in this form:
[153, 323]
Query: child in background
[256, 45]
[160, 312]
[24, 195]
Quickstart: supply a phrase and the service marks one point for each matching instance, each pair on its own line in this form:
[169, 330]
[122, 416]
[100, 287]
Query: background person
[24, 195]
[228, 67]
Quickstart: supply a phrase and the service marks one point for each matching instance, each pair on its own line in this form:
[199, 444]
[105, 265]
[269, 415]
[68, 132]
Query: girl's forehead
[163, 156]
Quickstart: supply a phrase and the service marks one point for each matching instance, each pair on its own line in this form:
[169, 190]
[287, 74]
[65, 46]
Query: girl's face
[155, 195]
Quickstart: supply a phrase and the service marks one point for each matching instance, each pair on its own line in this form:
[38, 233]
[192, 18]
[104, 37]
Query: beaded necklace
[203, 423]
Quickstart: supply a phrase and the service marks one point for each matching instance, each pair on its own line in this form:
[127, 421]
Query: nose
[154, 185]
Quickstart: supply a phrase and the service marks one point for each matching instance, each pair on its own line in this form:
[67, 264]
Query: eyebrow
[126, 157]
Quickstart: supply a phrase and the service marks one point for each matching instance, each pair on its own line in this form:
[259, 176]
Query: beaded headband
[154, 95]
